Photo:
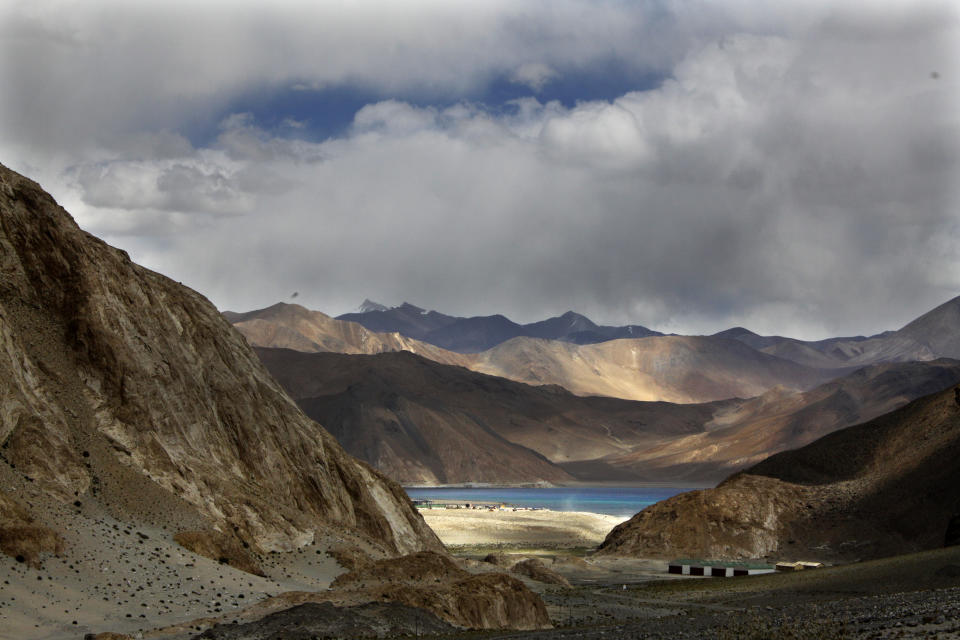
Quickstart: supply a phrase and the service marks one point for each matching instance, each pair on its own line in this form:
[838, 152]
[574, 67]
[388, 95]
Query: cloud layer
[795, 173]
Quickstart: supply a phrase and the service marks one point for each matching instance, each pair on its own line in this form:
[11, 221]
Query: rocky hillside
[120, 386]
[880, 488]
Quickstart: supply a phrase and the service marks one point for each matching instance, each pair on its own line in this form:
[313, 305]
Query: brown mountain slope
[888, 486]
[670, 368]
[423, 422]
[746, 432]
[290, 326]
[121, 387]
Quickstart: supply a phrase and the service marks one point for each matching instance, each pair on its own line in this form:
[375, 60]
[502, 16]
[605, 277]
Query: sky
[791, 167]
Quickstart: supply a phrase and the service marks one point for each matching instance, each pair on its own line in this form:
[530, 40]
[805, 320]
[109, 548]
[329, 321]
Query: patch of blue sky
[293, 111]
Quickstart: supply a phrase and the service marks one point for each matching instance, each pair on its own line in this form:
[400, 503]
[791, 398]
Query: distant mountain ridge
[479, 333]
[935, 334]
[686, 369]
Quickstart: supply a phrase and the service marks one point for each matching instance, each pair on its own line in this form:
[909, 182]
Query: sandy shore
[539, 528]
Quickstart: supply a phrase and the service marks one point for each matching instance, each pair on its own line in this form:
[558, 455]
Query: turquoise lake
[615, 501]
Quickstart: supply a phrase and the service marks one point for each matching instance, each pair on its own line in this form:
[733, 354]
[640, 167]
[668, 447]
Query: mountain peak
[369, 305]
[411, 308]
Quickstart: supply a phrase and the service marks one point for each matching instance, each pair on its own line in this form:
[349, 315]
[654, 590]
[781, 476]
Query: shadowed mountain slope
[887, 486]
[745, 432]
[126, 389]
[422, 422]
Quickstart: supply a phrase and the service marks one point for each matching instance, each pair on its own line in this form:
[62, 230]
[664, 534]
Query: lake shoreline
[614, 500]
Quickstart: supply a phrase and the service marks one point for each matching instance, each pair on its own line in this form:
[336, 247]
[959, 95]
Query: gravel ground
[912, 596]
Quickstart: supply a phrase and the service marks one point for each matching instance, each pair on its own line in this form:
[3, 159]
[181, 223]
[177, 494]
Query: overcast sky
[791, 167]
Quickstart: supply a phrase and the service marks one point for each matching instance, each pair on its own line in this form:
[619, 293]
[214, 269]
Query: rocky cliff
[880, 488]
[114, 378]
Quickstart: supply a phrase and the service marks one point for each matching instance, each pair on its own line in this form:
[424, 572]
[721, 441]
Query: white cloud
[785, 179]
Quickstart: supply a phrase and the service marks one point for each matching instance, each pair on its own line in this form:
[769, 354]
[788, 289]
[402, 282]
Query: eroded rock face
[100, 354]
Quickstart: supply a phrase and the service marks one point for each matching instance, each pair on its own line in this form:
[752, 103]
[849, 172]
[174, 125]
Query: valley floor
[911, 596]
[148, 582]
[508, 528]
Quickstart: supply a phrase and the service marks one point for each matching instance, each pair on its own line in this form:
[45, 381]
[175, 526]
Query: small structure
[717, 568]
[798, 566]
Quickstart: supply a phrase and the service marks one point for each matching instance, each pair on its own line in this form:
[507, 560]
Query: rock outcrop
[536, 570]
[21, 537]
[433, 582]
[115, 379]
[881, 488]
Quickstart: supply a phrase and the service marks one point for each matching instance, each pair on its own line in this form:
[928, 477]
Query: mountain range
[671, 368]
[479, 333]
[929, 336]
[421, 422]
[424, 422]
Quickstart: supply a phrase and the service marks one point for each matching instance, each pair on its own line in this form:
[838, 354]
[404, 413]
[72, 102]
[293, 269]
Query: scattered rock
[323, 620]
[21, 538]
[498, 559]
[220, 547]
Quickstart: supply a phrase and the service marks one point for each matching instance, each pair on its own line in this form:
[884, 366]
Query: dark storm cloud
[794, 174]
